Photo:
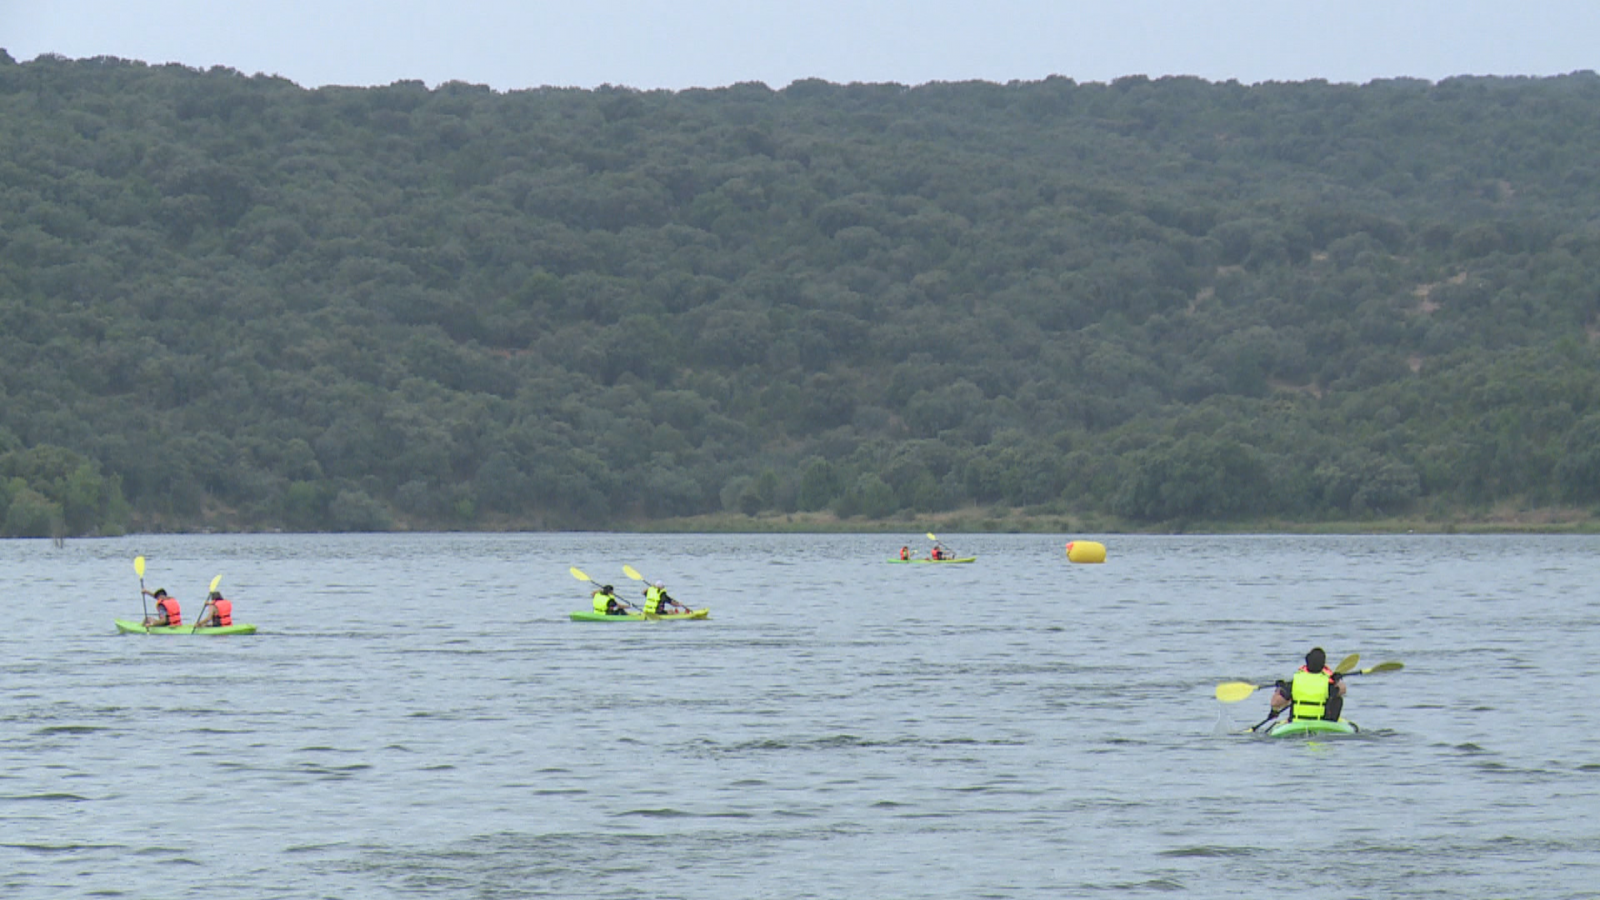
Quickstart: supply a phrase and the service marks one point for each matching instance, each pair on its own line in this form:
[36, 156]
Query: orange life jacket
[222, 611]
[174, 615]
[905, 552]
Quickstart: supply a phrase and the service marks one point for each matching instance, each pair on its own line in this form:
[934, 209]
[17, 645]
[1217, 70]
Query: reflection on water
[418, 717]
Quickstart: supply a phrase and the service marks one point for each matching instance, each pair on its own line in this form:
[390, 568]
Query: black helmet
[1316, 660]
[608, 588]
[160, 592]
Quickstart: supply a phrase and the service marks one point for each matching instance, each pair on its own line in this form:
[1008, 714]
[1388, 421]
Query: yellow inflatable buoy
[1086, 551]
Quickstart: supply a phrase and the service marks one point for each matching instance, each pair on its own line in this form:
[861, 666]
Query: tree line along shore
[230, 303]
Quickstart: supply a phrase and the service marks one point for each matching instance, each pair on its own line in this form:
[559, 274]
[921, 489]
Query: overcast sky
[679, 44]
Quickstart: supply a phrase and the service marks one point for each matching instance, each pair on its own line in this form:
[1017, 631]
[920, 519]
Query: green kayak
[964, 559]
[1310, 728]
[589, 615]
[129, 627]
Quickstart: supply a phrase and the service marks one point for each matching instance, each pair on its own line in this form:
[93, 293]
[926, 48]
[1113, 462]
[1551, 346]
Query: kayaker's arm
[1279, 700]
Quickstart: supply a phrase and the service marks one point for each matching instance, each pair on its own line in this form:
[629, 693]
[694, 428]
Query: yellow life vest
[600, 598]
[1310, 694]
[652, 599]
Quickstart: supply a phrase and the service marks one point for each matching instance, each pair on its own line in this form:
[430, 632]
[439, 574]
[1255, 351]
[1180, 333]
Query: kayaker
[167, 612]
[606, 602]
[1316, 692]
[905, 554]
[658, 602]
[217, 613]
[938, 552]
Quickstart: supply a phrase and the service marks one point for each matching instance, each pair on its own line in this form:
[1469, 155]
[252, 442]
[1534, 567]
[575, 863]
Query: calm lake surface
[418, 717]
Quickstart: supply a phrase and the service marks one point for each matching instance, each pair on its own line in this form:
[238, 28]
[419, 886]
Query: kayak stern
[1311, 728]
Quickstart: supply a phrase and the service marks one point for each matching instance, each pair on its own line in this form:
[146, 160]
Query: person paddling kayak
[217, 613]
[658, 602]
[167, 612]
[1315, 692]
[605, 601]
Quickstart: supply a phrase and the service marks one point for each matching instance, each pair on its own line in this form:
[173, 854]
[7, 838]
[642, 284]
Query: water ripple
[840, 728]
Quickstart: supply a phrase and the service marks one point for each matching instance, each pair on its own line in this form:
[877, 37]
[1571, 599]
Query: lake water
[417, 717]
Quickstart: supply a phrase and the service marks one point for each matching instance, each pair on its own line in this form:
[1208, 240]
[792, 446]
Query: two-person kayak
[961, 559]
[589, 615]
[128, 626]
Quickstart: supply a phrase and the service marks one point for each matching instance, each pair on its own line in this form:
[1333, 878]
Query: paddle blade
[1234, 691]
[633, 573]
[1384, 667]
[932, 537]
[138, 565]
[214, 582]
[1348, 663]
[579, 574]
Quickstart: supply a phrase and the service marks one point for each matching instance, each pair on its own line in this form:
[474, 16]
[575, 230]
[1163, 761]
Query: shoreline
[967, 521]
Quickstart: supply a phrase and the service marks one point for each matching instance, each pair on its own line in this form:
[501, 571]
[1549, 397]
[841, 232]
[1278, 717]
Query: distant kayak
[1310, 728]
[962, 559]
[589, 615]
[128, 627]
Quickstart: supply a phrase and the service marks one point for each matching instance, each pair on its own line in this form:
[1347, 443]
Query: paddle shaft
[1380, 667]
[1234, 691]
[200, 618]
[138, 567]
[1275, 713]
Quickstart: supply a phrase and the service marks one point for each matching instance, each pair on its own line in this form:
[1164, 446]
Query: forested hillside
[230, 302]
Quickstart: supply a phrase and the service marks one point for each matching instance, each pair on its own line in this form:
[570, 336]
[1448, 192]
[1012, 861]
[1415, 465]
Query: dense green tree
[1578, 471]
[228, 301]
[31, 514]
[819, 484]
[1193, 477]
